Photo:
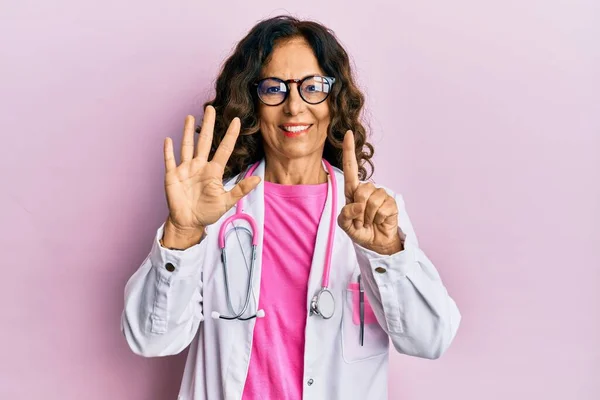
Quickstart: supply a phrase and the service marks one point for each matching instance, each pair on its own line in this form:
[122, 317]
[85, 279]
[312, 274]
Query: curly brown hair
[235, 96]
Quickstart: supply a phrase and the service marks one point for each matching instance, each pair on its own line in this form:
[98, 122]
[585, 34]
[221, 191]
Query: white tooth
[295, 128]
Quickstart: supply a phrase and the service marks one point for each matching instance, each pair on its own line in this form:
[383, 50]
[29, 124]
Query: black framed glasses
[313, 89]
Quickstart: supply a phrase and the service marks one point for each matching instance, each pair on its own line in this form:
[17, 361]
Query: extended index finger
[350, 165]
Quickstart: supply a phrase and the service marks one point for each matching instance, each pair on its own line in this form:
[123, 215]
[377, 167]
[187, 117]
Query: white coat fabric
[167, 311]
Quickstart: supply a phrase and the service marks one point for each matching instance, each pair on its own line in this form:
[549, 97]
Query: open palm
[194, 189]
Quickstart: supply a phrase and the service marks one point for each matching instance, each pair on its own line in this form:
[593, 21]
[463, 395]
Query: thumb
[348, 214]
[243, 188]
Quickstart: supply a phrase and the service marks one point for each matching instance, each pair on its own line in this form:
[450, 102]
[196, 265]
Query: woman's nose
[294, 104]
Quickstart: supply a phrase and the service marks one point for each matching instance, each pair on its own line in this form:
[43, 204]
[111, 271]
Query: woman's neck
[295, 172]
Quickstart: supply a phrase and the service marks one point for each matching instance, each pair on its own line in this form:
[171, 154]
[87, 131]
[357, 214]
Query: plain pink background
[485, 115]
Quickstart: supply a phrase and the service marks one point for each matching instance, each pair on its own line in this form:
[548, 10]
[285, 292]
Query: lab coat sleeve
[408, 297]
[163, 300]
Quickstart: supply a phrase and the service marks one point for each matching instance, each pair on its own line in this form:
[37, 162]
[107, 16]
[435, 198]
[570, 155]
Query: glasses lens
[315, 89]
[272, 91]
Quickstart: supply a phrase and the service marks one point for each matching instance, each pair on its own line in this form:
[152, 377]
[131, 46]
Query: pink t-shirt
[292, 215]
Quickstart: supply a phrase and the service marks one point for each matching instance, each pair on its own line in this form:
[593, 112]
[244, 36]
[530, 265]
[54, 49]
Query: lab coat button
[381, 270]
[170, 267]
[310, 382]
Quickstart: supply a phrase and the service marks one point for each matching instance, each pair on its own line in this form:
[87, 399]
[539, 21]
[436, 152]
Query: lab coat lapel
[318, 260]
[316, 325]
[236, 371]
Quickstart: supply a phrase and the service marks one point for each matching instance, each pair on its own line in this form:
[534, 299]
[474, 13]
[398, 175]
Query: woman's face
[293, 59]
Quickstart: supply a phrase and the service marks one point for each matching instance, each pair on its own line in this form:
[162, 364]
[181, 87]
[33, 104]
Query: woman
[336, 271]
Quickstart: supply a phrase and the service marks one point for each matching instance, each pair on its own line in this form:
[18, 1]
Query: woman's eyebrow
[279, 77]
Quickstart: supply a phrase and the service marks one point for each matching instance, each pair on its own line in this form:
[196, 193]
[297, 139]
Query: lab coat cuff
[389, 268]
[176, 263]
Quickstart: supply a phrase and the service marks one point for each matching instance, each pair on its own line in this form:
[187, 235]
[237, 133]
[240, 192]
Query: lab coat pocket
[375, 340]
[369, 314]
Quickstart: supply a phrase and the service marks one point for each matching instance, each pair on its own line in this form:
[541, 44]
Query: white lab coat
[166, 311]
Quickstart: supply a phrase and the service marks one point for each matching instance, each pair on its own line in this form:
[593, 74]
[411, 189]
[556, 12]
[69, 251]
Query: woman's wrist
[394, 247]
[178, 239]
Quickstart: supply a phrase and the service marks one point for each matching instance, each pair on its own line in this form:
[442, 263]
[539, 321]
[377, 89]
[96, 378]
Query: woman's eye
[273, 89]
[311, 88]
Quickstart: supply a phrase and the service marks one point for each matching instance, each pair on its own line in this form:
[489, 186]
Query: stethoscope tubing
[240, 214]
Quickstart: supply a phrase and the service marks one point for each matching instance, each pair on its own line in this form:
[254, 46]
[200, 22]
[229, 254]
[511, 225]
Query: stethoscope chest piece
[323, 304]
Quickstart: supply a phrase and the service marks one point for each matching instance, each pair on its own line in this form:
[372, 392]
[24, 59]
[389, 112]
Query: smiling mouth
[294, 130]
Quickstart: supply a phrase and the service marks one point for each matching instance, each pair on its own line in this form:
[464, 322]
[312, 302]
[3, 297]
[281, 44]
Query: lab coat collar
[259, 192]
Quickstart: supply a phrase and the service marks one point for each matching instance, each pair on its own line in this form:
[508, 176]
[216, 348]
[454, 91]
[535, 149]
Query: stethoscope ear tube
[259, 313]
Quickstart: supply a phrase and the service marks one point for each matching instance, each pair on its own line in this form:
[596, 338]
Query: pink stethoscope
[322, 303]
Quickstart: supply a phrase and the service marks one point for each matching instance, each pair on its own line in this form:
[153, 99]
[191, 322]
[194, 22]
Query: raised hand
[370, 216]
[194, 189]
